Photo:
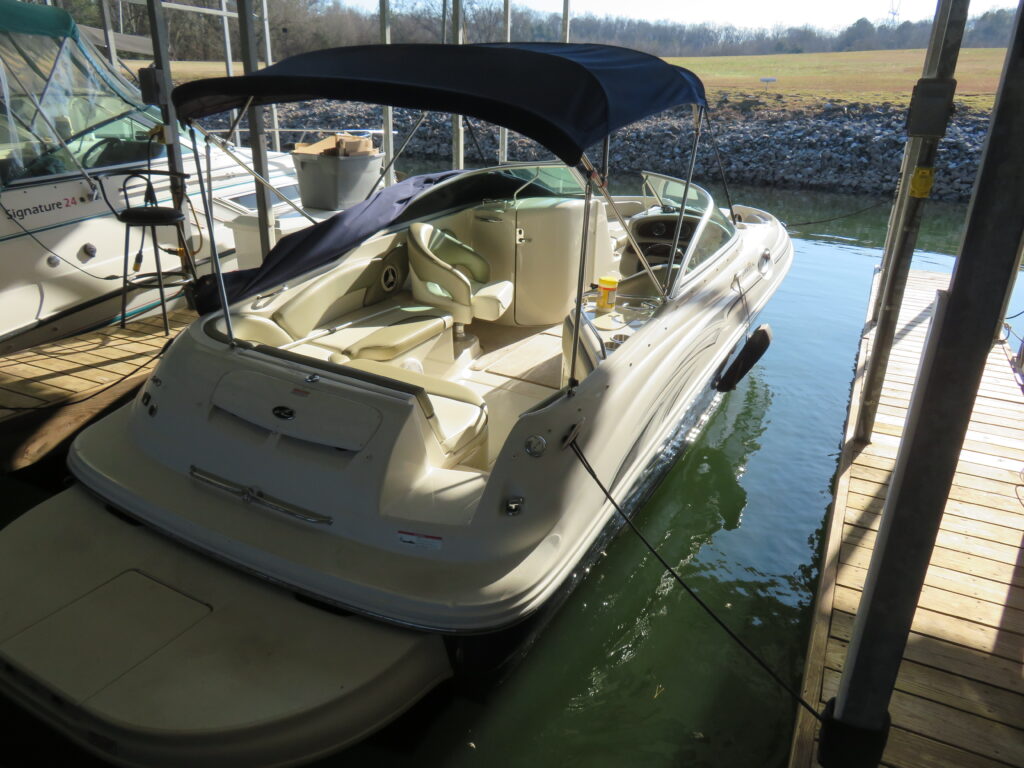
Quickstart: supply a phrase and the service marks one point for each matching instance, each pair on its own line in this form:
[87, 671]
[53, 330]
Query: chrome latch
[514, 506]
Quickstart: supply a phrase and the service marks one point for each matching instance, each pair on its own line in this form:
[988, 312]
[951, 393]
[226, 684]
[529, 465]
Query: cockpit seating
[447, 273]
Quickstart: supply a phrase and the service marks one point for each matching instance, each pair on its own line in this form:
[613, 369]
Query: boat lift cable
[689, 590]
[841, 216]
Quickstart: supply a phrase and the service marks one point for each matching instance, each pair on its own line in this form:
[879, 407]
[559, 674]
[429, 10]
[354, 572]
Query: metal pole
[398, 154]
[218, 275]
[387, 141]
[931, 105]
[275, 128]
[161, 60]
[565, 21]
[458, 139]
[581, 283]
[941, 406]
[229, 63]
[108, 32]
[503, 132]
[686, 194]
[590, 170]
[257, 138]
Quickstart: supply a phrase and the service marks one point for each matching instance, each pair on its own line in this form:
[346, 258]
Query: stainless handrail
[251, 495]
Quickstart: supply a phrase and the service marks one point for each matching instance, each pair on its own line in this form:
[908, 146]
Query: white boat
[72, 130]
[367, 481]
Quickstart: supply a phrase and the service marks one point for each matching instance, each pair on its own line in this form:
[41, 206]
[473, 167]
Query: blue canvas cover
[319, 244]
[565, 96]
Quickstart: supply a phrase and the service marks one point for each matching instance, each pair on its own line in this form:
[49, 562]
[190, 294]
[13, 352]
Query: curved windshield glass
[61, 107]
[665, 190]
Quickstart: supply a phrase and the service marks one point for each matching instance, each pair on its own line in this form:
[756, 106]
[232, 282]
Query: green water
[631, 672]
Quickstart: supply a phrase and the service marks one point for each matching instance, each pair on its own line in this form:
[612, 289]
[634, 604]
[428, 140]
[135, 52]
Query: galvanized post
[503, 132]
[458, 139]
[940, 412]
[108, 33]
[387, 142]
[275, 127]
[229, 63]
[931, 105]
[161, 61]
[257, 137]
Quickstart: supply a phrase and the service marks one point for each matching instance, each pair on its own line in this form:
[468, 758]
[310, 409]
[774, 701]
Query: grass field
[865, 76]
[802, 79]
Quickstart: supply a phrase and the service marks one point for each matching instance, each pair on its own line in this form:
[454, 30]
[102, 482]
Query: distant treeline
[304, 25]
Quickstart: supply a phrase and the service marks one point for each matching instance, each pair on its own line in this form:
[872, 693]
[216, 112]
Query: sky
[826, 14]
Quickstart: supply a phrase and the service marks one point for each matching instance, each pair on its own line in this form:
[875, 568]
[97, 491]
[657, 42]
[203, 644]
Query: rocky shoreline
[838, 147]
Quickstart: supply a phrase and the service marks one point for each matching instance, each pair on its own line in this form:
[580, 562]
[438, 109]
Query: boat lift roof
[565, 96]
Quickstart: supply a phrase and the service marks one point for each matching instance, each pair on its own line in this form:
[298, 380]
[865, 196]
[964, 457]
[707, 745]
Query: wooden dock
[959, 698]
[49, 392]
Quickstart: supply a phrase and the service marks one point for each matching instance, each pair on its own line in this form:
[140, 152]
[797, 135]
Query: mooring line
[707, 609]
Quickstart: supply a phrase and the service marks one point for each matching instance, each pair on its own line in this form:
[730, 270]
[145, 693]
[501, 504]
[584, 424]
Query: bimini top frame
[589, 90]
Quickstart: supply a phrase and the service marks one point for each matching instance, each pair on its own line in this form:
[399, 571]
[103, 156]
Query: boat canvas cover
[36, 20]
[55, 90]
[322, 243]
[565, 96]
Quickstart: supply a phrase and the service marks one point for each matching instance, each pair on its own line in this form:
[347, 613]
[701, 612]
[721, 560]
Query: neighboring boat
[356, 483]
[69, 126]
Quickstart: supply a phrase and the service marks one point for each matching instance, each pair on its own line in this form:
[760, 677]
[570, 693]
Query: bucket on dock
[337, 172]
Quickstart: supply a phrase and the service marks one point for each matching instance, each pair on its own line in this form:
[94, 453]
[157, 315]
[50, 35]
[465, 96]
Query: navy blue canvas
[319, 244]
[565, 96]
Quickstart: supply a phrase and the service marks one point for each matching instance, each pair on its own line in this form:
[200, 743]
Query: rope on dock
[572, 443]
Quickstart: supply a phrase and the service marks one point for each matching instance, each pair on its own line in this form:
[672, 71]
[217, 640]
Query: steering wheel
[107, 141]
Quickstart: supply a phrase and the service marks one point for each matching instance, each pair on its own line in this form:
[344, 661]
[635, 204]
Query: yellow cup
[607, 286]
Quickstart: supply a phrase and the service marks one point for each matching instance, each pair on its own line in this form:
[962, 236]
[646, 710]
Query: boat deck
[48, 391]
[959, 698]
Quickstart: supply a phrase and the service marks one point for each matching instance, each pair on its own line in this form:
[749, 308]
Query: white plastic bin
[333, 183]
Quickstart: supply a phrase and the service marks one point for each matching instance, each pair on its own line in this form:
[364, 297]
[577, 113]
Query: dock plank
[959, 698]
[50, 391]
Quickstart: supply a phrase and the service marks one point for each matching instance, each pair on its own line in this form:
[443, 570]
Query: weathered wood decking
[50, 391]
[959, 698]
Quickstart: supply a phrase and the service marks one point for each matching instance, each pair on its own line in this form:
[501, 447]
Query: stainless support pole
[503, 132]
[590, 169]
[387, 140]
[223, 147]
[940, 63]
[686, 194]
[565, 21]
[580, 285]
[257, 137]
[941, 407]
[218, 275]
[458, 138]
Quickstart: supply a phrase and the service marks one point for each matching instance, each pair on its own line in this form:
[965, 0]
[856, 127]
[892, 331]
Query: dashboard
[654, 233]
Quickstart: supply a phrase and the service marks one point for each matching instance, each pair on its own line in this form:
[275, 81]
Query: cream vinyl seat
[449, 274]
[456, 414]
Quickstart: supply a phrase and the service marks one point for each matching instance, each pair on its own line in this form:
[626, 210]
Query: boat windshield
[665, 190]
[61, 107]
